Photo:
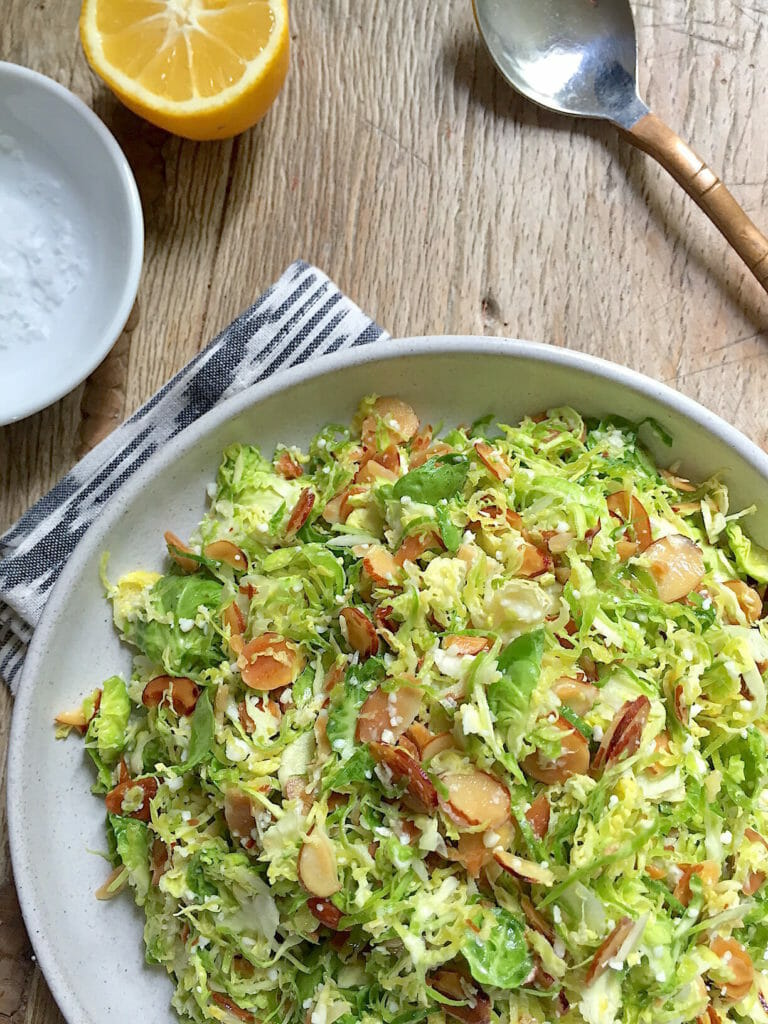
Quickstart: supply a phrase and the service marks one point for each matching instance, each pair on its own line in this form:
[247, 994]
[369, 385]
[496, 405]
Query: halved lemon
[203, 69]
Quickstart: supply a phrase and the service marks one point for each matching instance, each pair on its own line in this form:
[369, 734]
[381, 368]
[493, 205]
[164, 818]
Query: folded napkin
[302, 316]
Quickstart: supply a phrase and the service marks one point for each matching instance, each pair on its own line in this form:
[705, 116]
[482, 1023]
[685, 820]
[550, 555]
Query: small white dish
[71, 241]
[91, 951]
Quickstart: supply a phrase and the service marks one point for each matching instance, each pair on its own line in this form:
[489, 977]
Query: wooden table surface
[399, 162]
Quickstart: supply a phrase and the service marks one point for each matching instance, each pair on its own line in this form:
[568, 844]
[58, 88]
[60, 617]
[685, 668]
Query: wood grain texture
[399, 162]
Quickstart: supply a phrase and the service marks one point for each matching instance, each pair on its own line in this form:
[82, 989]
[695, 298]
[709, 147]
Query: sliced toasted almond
[677, 566]
[492, 460]
[233, 619]
[609, 949]
[682, 711]
[183, 693]
[539, 923]
[109, 889]
[267, 662]
[231, 1007]
[754, 837]
[420, 442]
[176, 549]
[360, 632]
[389, 458]
[406, 768]
[325, 912]
[317, 865]
[399, 419]
[537, 816]
[477, 1005]
[390, 713]
[749, 600]
[629, 510]
[707, 870]
[753, 882]
[287, 467]
[227, 552]
[384, 621]
[114, 799]
[476, 798]
[623, 736]
[238, 813]
[300, 513]
[420, 735]
[559, 542]
[160, 859]
[380, 566]
[678, 482]
[577, 694]
[528, 870]
[469, 645]
[736, 976]
[75, 719]
[373, 471]
[443, 741]
[416, 545]
[573, 758]
[247, 723]
[472, 853]
[535, 561]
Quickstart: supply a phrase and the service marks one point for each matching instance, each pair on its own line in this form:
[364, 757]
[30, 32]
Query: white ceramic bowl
[71, 241]
[91, 952]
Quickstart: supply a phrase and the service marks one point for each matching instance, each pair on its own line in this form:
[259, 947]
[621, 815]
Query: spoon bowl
[579, 57]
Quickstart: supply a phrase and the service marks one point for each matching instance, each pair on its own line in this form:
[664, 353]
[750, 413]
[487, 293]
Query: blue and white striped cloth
[303, 315]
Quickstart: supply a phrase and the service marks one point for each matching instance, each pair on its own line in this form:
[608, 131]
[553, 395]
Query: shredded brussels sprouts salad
[465, 724]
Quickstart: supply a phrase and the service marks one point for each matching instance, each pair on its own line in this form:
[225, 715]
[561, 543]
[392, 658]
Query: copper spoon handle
[701, 183]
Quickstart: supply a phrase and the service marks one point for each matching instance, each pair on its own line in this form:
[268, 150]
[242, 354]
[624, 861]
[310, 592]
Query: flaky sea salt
[42, 257]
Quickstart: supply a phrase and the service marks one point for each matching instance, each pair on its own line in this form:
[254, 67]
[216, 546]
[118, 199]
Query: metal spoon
[579, 57]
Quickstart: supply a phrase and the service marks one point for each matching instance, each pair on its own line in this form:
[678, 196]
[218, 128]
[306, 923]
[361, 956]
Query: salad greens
[469, 727]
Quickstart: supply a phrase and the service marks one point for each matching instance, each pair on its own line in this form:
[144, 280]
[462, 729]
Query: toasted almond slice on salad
[317, 865]
[737, 974]
[114, 799]
[234, 619]
[388, 713]
[360, 632]
[443, 741]
[238, 813]
[399, 419]
[677, 566]
[373, 471]
[406, 743]
[608, 950]
[76, 718]
[749, 600]
[300, 513]
[476, 798]
[528, 870]
[631, 511]
[176, 549]
[577, 694]
[325, 912]
[476, 1008]
[227, 552]
[535, 561]
[380, 566]
[287, 467]
[537, 921]
[537, 816]
[492, 460]
[624, 733]
[678, 482]
[753, 882]
[469, 645]
[413, 547]
[573, 758]
[184, 693]
[707, 870]
[268, 662]
[407, 768]
[420, 735]
[231, 1007]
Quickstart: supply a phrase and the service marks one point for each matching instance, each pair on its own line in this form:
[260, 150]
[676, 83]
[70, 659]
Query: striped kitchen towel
[302, 316]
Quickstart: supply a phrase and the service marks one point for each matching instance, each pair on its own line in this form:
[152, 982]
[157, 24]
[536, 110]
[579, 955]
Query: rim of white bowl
[65, 995]
[135, 244]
